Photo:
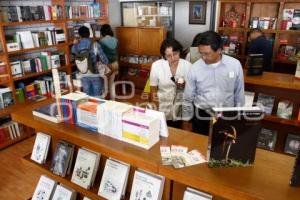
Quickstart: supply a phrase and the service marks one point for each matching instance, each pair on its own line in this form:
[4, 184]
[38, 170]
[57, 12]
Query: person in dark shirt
[260, 45]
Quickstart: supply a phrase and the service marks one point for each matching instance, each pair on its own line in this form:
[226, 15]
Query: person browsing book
[109, 45]
[167, 79]
[92, 83]
[215, 80]
[260, 45]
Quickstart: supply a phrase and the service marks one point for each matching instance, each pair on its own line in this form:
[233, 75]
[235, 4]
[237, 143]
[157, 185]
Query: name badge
[231, 74]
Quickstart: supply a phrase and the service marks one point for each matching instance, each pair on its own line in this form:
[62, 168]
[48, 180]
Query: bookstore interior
[92, 107]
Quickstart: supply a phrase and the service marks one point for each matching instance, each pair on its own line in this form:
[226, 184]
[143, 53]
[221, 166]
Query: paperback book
[249, 98]
[267, 139]
[292, 144]
[113, 187]
[48, 112]
[285, 109]
[265, 102]
[40, 148]
[146, 185]
[192, 194]
[44, 188]
[233, 136]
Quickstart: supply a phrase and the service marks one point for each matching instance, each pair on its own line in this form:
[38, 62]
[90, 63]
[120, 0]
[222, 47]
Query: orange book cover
[88, 106]
[299, 115]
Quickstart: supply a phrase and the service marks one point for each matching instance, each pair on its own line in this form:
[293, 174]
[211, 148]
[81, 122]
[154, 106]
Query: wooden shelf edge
[146, 66]
[63, 180]
[31, 22]
[290, 122]
[87, 18]
[32, 75]
[36, 49]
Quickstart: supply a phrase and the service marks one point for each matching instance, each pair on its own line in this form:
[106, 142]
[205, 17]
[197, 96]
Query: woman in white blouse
[167, 79]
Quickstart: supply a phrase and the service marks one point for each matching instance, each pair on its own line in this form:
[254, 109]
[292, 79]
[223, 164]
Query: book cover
[40, 148]
[292, 144]
[48, 112]
[255, 64]
[64, 193]
[296, 19]
[267, 139]
[233, 136]
[61, 159]
[44, 188]
[192, 194]
[146, 185]
[265, 102]
[112, 187]
[285, 109]
[84, 169]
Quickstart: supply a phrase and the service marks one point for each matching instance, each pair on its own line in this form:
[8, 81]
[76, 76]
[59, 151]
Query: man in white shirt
[215, 80]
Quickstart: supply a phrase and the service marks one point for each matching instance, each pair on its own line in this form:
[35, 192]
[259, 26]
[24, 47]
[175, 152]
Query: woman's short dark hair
[209, 38]
[106, 30]
[84, 32]
[176, 46]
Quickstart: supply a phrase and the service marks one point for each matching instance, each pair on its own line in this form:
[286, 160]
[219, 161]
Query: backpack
[83, 60]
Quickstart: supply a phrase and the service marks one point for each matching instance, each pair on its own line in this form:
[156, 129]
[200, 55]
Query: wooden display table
[267, 179]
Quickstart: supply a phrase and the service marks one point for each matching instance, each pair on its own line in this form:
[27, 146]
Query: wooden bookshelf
[9, 142]
[267, 179]
[258, 8]
[30, 22]
[282, 87]
[22, 51]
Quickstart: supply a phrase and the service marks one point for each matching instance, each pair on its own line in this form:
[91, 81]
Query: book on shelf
[86, 167]
[255, 64]
[140, 130]
[292, 144]
[62, 158]
[233, 136]
[164, 132]
[265, 102]
[299, 115]
[267, 139]
[114, 187]
[192, 194]
[194, 54]
[63, 192]
[296, 19]
[40, 148]
[147, 185]
[297, 73]
[249, 98]
[16, 69]
[48, 112]
[6, 97]
[285, 109]
[295, 180]
[44, 189]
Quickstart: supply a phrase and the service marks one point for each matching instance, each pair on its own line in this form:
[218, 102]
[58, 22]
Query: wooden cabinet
[235, 18]
[61, 21]
[138, 48]
[267, 179]
[282, 87]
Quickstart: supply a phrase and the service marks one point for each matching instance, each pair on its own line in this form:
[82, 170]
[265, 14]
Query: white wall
[185, 32]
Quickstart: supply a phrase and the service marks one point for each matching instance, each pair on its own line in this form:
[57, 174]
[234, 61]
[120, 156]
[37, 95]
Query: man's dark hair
[84, 32]
[106, 30]
[176, 46]
[210, 38]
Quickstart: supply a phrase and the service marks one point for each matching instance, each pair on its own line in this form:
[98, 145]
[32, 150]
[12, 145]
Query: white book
[117, 115]
[146, 185]
[64, 193]
[44, 188]
[164, 132]
[16, 125]
[249, 98]
[113, 187]
[192, 194]
[26, 39]
[40, 148]
[140, 130]
[84, 168]
[86, 198]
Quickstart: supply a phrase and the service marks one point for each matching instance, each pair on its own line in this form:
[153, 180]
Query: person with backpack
[87, 55]
[109, 45]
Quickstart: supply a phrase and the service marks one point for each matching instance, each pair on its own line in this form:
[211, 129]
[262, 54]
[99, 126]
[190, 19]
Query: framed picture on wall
[197, 12]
